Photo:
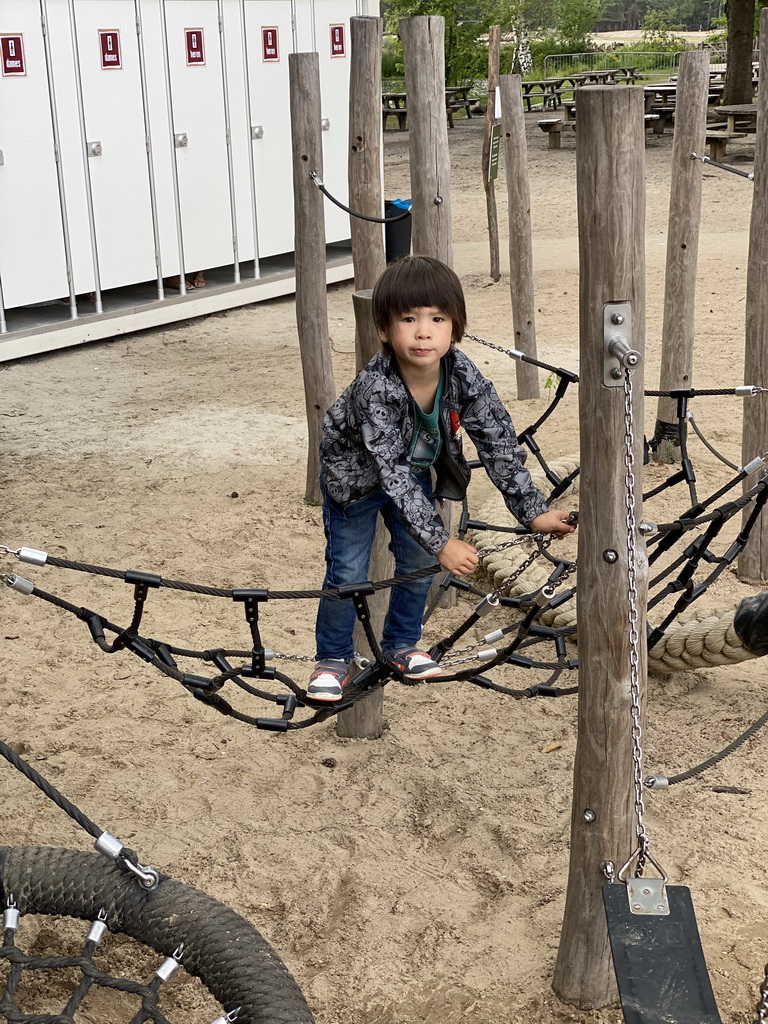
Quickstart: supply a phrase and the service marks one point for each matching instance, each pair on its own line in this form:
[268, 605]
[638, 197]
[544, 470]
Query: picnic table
[743, 112]
[395, 104]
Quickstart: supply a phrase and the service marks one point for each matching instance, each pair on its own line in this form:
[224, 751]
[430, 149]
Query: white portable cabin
[140, 138]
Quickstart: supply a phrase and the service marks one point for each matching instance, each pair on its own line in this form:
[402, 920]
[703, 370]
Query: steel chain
[634, 635]
[513, 576]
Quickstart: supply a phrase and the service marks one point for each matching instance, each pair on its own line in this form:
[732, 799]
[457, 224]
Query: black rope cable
[273, 595]
[694, 393]
[525, 358]
[684, 524]
[716, 758]
[50, 791]
[353, 213]
[710, 447]
[21, 961]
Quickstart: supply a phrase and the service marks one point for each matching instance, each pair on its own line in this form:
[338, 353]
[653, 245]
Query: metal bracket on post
[618, 355]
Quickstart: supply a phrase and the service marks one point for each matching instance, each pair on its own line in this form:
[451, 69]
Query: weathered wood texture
[520, 240]
[682, 239]
[430, 163]
[309, 243]
[753, 562]
[365, 720]
[364, 164]
[610, 175]
[740, 16]
[494, 37]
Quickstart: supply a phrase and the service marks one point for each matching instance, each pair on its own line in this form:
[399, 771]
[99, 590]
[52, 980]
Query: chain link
[9, 551]
[634, 635]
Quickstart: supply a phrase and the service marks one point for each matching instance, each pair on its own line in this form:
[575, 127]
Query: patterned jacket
[367, 435]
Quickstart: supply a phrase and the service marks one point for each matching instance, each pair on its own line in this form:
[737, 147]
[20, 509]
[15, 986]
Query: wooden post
[682, 248]
[309, 244]
[430, 162]
[610, 181]
[520, 241]
[494, 36]
[365, 720]
[753, 561]
[365, 149]
[423, 39]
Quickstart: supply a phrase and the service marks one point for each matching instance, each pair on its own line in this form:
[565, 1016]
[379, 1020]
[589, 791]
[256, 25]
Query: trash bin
[397, 233]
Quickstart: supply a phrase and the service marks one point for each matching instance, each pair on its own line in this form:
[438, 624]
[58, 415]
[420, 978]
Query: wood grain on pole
[365, 719]
[682, 245]
[753, 561]
[520, 240]
[309, 246]
[610, 177]
[364, 164]
[494, 44]
[430, 163]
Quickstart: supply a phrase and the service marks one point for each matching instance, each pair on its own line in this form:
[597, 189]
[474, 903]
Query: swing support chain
[762, 1006]
[641, 852]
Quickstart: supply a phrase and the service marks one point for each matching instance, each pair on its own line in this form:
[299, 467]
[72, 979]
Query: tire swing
[116, 893]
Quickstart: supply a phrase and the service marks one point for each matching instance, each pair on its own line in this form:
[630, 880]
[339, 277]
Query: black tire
[233, 961]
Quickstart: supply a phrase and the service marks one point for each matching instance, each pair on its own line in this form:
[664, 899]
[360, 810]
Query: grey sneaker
[413, 663]
[328, 680]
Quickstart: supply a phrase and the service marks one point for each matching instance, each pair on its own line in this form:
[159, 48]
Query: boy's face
[419, 337]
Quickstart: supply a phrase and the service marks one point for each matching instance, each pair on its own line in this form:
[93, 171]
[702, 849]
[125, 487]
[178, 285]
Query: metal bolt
[661, 907]
[438, 200]
[609, 555]
[617, 318]
[616, 372]
[589, 816]
[646, 892]
[631, 359]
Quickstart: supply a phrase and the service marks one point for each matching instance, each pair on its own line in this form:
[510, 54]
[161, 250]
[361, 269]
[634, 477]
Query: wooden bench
[666, 116]
[718, 140]
[553, 127]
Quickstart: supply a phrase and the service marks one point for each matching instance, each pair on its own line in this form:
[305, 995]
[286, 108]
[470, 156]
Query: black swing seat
[658, 960]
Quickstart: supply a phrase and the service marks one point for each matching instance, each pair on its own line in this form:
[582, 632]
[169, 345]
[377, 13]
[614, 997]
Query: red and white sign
[270, 47]
[109, 41]
[12, 49]
[195, 48]
[338, 44]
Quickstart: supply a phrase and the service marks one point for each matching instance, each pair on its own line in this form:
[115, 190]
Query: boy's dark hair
[415, 281]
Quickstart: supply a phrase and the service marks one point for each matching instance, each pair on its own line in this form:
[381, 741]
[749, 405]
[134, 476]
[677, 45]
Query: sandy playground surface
[419, 878]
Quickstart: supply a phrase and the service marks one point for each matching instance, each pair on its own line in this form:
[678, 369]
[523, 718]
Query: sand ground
[421, 877]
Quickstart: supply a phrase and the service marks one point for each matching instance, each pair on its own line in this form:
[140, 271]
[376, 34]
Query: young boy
[384, 439]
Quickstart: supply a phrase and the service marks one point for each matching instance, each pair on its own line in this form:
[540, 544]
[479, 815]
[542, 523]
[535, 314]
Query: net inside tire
[234, 962]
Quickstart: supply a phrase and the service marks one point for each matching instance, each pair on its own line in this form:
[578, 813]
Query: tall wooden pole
[430, 162]
[364, 162]
[520, 239]
[494, 44]
[424, 59]
[365, 719]
[753, 561]
[309, 245]
[682, 248]
[610, 177]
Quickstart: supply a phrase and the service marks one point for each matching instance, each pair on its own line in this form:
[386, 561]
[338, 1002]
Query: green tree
[575, 21]
[740, 15]
[466, 57]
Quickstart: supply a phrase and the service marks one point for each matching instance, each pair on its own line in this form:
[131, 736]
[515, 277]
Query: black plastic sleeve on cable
[146, 579]
[352, 590]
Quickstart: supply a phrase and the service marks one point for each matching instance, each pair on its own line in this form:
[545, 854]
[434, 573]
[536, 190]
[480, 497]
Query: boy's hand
[552, 522]
[458, 557]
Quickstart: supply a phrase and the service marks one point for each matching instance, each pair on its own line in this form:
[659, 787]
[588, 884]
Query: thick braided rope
[703, 639]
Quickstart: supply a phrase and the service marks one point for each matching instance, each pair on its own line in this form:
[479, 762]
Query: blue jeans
[349, 534]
